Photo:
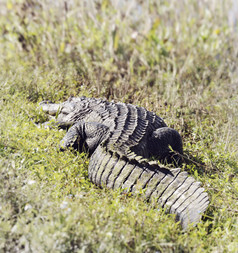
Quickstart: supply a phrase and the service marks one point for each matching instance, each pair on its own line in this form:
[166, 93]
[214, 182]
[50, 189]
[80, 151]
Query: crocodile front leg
[84, 136]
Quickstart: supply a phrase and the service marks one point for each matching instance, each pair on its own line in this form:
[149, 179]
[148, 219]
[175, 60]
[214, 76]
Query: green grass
[176, 58]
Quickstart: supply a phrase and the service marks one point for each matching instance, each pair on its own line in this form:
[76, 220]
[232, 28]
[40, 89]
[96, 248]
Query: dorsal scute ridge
[131, 157]
[130, 125]
[172, 188]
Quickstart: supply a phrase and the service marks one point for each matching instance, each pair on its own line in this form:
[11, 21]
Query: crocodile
[131, 128]
[120, 139]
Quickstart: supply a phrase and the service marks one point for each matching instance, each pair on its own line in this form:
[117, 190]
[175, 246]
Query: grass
[177, 58]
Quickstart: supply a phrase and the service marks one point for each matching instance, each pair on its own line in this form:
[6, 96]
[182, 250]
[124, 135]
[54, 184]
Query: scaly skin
[120, 137]
[171, 189]
[131, 128]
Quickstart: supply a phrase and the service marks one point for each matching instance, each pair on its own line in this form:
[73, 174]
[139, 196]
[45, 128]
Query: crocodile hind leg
[84, 136]
[166, 144]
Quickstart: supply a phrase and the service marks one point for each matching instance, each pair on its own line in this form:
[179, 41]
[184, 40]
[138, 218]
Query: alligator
[121, 140]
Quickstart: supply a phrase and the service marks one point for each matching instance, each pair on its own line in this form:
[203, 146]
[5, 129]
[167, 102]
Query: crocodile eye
[68, 108]
[83, 105]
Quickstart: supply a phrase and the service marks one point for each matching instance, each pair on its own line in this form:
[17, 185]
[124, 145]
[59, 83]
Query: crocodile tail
[171, 189]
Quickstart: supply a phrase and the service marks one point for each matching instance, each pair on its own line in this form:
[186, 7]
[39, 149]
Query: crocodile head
[67, 113]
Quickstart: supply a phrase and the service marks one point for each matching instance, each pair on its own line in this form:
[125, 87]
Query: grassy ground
[177, 58]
